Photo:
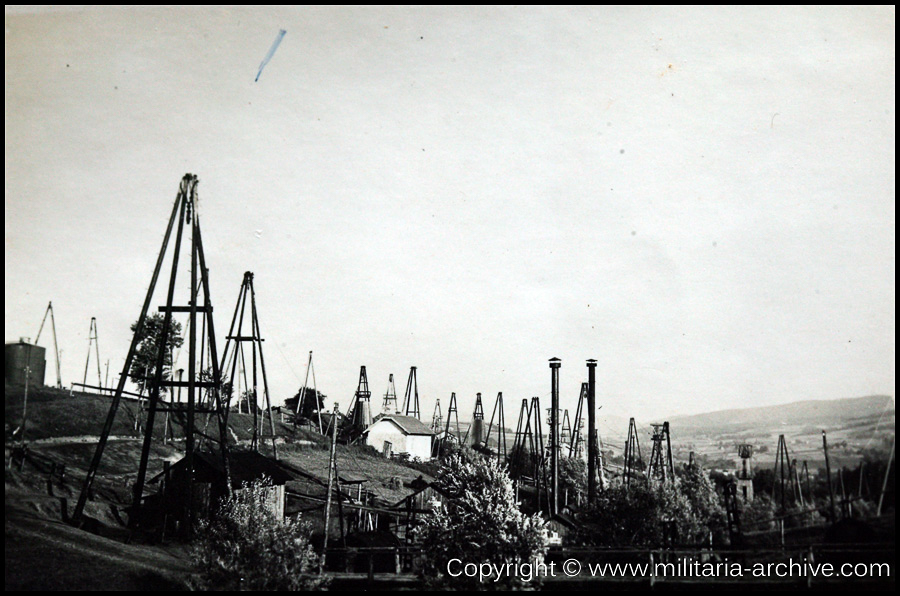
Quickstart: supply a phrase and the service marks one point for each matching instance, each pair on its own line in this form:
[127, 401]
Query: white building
[395, 434]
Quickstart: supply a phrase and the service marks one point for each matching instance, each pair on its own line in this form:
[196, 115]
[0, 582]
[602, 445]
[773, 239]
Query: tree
[143, 366]
[479, 522]
[640, 516]
[246, 546]
[313, 400]
[705, 502]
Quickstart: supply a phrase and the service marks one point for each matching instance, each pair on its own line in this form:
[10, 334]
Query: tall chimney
[592, 432]
[555, 363]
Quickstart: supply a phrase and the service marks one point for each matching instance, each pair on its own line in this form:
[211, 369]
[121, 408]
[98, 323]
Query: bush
[246, 546]
[640, 516]
[478, 522]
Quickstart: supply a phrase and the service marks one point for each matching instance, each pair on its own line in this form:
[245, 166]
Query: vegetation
[143, 366]
[247, 546]
[640, 515]
[313, 401]
[478, 522]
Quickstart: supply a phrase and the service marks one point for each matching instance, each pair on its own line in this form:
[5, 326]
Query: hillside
[835, 412]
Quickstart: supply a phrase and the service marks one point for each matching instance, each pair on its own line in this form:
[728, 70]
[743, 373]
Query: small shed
[209, 480]
[396, 434]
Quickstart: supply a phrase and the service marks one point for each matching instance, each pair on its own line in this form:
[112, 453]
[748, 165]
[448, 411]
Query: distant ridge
[821, 411]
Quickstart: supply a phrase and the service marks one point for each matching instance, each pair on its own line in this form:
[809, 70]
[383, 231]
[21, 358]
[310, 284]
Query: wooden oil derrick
[184, 212]
[785, 489]
[519, 438]
[360, 414]
[93, 340]
[437, 420]
[476, 430]
[497, 414]
[452, 414]
[389, 405]
[733, 515]
[577, 437]
[411, 399]
[234, 361]
[565, 432]
[634, 463]
[661, 466]
[49, 311]
[297, 413]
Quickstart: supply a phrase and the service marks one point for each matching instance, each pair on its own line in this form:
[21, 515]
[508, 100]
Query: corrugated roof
[408, 424]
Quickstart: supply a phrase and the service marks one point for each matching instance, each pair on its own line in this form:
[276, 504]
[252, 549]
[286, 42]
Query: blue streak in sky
[270, 53]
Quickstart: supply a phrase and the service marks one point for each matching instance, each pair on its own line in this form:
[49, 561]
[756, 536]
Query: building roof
[244, 466]
[407, 424]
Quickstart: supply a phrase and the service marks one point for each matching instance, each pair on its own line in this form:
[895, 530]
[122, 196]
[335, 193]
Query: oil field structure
[203, 389]
[217, 382]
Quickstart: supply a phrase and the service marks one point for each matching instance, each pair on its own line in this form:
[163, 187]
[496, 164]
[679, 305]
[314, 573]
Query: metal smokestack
[592, 432]
[555, 363]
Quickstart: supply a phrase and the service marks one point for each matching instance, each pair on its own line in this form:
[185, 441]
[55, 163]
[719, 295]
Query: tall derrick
[184, 211]
[234, 362]
[361, 411]
[411, 400]
[477, 430]
[389, 405]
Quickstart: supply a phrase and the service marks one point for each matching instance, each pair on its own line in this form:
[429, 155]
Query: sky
[702, 199]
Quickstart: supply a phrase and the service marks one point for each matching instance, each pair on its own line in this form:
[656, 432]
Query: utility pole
[592, 430]
[828, 473]
[331, 469]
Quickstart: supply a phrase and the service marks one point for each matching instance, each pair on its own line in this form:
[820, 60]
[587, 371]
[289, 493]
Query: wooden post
[330, 484]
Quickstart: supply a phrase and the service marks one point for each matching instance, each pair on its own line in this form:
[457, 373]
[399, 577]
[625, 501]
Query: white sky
[700, 198]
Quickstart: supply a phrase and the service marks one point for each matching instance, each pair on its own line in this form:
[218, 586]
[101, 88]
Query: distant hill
[833, 412]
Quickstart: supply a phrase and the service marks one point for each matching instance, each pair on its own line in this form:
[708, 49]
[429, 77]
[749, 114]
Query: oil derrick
[183, 211]
[501, 429]
[519, 439]
[744, 480]
[361, 412]
[411, 400]
[477, 428]
[661, 466]
[49, 311]
[577, 437]
[528, 449]
[565, 432]
[92, 339]
[234, 355]
[299, 411]
[733, 515]
[634, 463]
[389, 406]
[437, 421]
[452, 412]
[785, 485]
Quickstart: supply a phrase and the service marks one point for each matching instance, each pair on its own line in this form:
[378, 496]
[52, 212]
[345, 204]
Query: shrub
[246, 546]
[478, 522]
